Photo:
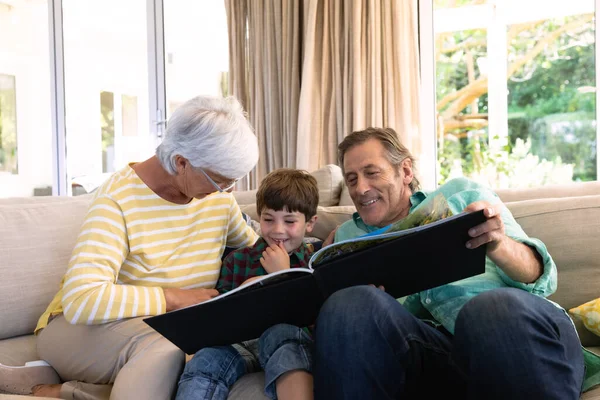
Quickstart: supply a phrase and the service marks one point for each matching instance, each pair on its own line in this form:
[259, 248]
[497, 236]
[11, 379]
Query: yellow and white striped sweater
[133, 243]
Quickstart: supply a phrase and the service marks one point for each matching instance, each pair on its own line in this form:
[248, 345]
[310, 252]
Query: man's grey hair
[211, 133]
[396, 152]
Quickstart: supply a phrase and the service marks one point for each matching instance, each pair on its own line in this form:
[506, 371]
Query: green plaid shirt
[244, 263]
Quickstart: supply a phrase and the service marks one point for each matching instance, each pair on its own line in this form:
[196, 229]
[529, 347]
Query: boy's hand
[275, 258]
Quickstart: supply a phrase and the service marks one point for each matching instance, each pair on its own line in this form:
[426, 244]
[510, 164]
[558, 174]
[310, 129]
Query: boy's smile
[284, 227]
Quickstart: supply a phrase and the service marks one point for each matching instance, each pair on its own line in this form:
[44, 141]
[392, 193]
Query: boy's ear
[310, 224]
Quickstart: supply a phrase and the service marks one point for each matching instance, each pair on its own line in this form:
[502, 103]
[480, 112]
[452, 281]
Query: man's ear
[407, 170]
[310, 224]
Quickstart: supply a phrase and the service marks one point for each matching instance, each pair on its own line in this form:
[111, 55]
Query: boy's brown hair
[292, 189]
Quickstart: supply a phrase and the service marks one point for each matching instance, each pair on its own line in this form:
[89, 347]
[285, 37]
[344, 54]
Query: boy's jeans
[213, 370]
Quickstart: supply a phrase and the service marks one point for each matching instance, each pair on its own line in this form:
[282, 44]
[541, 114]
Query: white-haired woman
[151, 242]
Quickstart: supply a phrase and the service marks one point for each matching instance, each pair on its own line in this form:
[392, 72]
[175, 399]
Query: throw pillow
[589, 314]
[329, 178]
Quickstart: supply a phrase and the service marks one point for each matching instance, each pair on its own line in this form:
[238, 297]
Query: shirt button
[428, 301]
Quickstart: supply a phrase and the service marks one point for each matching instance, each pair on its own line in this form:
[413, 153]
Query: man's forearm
[519, 261]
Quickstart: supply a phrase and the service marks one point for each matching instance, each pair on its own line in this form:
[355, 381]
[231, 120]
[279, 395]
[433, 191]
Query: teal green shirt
[443, 303]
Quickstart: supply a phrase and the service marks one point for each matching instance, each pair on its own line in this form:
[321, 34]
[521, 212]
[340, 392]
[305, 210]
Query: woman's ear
[180, 164]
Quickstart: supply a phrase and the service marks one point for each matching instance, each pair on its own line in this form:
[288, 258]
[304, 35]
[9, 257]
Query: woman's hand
[275, 258]
[179, 298]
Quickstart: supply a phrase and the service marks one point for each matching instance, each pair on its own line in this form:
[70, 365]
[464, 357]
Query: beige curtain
[264, 64]
[310, 72]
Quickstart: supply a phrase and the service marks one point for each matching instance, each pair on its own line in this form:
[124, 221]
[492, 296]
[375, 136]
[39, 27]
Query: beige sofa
[37, 236]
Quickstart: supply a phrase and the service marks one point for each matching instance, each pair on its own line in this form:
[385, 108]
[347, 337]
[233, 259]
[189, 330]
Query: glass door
[25, 105]
[196, 53]
[107, 115]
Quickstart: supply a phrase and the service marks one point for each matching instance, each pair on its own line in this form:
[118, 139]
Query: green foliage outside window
[551, 105]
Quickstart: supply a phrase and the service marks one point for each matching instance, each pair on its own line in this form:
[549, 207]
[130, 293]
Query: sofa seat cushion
[249, 387]
[37, 236]
[16, 352]
[19, 350]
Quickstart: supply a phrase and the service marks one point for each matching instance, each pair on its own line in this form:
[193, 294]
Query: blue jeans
[508, 344]
[213, 370]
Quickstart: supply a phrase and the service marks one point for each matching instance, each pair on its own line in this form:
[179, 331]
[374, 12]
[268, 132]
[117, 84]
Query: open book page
[429, 211]
[262, 281]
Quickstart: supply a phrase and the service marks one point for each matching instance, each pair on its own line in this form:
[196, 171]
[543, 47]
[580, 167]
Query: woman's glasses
[219, 188]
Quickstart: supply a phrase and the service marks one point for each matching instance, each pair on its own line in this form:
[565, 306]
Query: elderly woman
[151, 242]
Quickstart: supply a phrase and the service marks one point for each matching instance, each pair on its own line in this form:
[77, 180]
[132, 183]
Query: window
[106, 73]
[196, 50]
[8, 124]
[105, 57]
[515, 94]
[129, 112]
[107, 127]
[26, 151]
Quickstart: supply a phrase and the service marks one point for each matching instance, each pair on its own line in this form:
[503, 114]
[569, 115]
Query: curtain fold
[310, 72]
[264, 64]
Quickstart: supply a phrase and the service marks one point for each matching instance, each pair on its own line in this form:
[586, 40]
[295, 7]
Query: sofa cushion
[329, 218]
[345, 199]
[569, 227]
[37, 236]
[245, 196]
[573, 189]
[329, 180]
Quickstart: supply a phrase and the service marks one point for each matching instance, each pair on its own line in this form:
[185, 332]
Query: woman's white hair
[212, 133]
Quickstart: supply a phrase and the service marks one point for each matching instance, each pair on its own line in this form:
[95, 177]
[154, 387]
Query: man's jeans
[508, 344]
[213, 370]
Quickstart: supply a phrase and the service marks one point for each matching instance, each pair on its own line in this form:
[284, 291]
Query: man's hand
[519, 261]
[275, 258]
[179, 298]
[491, 231]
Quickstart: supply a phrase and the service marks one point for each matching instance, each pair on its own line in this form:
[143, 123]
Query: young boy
[286, 202]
